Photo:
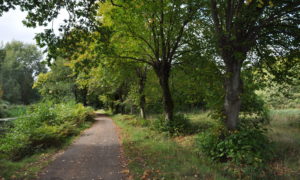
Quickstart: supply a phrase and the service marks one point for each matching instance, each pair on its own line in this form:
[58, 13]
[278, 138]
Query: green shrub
[3, 109]
[15, 145]
[180, 125]
[46, 136]
[139, 122]
[247, 146]
[16, 110]
[45, 125]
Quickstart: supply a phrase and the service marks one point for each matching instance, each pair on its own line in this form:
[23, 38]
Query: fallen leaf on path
[125, 171]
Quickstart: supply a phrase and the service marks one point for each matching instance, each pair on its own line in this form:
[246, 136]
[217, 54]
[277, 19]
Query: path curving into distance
[94, 155]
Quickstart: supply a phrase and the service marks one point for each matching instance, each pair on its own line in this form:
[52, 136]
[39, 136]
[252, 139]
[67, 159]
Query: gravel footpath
[94, 155]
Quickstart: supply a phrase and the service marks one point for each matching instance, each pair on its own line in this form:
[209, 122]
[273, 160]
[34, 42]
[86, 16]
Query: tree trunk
[142, 104]
[131, 109]
[84, 92]
[233, 86]
[75, 92]
[168, 101]
[163, 72]
[142, 98]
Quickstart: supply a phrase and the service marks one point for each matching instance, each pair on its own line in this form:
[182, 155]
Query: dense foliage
[45, 125]
[58, 84]
[245, 146]
[8, 110]
[19, 65]
[233, 58]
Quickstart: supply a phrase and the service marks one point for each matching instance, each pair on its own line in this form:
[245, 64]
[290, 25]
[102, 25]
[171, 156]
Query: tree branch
[215, 16]
[112, 2]
[135, 59]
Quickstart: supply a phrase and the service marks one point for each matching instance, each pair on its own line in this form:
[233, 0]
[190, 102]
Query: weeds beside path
[153, 155]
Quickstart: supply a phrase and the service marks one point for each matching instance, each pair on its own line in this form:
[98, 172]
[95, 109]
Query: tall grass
[285, 132]
[285, 117]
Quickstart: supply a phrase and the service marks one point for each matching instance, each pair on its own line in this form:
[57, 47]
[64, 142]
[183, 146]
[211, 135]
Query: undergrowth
[156, 155]
[254, 151]
[45, 126]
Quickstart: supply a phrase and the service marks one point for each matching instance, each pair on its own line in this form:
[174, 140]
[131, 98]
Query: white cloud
[12, 28]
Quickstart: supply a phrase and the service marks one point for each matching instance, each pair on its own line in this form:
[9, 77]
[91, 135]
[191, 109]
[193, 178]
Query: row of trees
[19, 65]
[223, 44]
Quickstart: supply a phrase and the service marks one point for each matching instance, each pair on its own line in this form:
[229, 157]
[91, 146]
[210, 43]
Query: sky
[12, 28]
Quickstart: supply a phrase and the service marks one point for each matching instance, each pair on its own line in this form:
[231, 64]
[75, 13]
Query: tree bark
[168, 101]
[162, 70]
[233, 87]
[142, 98]
[142, 107]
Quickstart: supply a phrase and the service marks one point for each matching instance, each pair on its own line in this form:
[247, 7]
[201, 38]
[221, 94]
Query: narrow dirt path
[94, 155]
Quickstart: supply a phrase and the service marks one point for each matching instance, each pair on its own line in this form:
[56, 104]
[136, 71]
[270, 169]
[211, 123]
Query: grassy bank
[33, 139]
[155, 155]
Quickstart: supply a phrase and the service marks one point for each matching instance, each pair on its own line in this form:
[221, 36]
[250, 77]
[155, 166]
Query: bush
[46, 136]
[45, 125]
[137, 121]
[16, 110]
[15, 145]
[180, 125]
[3, 109]
[7, 110]
[248, 145]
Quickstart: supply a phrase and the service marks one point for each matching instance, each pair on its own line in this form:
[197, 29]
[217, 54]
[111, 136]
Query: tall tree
[159, 29]
[58, 84]
[2, 57]
[22, 63]
[248, 33]
[141, 73]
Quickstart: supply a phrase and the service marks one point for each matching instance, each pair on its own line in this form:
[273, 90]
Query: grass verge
[153, 155]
